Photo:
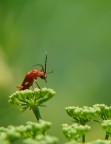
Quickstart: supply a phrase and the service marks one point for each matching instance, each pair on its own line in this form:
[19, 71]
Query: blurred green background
[77, 36]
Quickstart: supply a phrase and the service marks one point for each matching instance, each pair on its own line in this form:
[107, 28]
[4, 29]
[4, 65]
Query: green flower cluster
[99, 141]
[30, 98]
[42, 139]
[103, 111]
[75, 131]
[85, 114]
[32, 131]
[106, 124]
[72, 142]
[81, 115]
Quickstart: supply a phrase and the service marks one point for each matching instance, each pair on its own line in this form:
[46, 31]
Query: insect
[32, 76]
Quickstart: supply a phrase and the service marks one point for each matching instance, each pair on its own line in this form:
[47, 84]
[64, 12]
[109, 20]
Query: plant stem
[36, 112]
[97, 121]
[106, 136]
[83, 138]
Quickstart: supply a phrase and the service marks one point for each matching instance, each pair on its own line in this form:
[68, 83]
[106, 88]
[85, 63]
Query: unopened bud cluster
[41, 139]
[106, 124]
[81, 115]
[103, 111]
[75, 131]
[98, 141]
[32, 131]
[29, 98]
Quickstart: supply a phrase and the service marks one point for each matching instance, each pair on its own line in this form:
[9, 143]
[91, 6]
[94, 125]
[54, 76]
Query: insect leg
[32, 87]
[37, 83]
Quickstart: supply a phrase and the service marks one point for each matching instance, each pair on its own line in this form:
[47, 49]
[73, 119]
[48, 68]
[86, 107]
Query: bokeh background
[77, 36]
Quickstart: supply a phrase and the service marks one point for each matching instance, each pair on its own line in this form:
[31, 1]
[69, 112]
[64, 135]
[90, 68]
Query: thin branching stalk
[83, 138]
[96, 121]
[106, 136]
[36, 112]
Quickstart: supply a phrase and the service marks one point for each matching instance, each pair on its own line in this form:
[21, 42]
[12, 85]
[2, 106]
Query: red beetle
[32, 76]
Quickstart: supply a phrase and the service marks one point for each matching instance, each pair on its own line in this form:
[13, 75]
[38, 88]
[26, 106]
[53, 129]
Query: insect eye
[42, 76]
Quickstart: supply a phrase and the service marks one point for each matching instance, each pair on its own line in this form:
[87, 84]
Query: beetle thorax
[41, 73]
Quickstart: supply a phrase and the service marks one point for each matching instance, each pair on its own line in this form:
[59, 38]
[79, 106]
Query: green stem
[36, 112]
[106, 136]
[83, 138]
[97, 121]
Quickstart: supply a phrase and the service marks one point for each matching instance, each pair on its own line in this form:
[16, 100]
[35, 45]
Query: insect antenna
[49, 72]
[45, 62]
[46, 65]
